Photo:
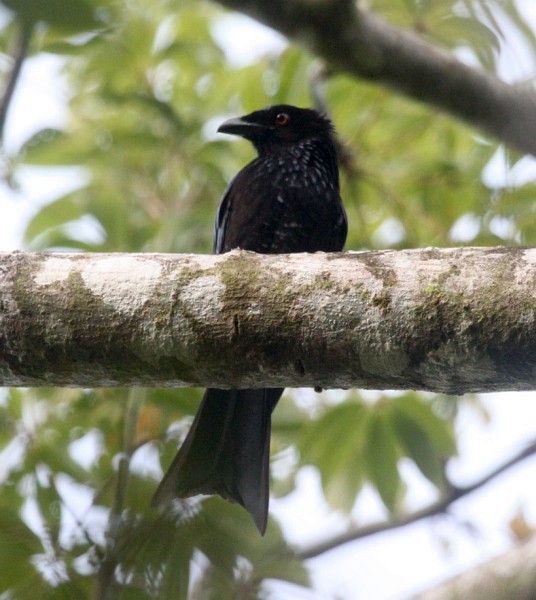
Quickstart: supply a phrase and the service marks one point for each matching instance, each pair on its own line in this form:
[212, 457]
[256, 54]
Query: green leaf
[17, 546]
[381, 459]
[419, 448]
[60, 211]
[333, 443]
[71, 15]
[478, 36]
[55, 147]
[438, 431]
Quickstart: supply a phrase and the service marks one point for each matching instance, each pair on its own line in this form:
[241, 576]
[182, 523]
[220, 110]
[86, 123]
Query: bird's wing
[252, 217]
[248, 216]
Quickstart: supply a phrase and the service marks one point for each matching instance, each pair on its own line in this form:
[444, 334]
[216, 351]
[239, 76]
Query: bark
[354, 41]
[451, 320]
[509, 576]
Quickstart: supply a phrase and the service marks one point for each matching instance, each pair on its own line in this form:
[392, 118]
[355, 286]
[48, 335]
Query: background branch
[510, 575]
[21, 50]
[357, 42]
[105, 579]
[438, 507]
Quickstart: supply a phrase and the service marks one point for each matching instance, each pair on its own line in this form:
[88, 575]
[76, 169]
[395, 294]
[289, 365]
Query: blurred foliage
[148, 84]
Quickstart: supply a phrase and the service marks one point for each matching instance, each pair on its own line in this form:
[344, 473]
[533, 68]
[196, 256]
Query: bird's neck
[309, 154]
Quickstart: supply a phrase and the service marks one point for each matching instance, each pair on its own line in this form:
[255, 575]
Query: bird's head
[278, 125]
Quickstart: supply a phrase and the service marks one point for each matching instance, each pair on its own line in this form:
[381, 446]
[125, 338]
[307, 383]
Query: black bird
[286, 200]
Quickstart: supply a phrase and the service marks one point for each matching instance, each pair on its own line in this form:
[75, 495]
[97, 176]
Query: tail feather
[226, 452]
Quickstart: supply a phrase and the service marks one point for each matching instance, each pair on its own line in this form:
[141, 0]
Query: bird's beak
[239, 126]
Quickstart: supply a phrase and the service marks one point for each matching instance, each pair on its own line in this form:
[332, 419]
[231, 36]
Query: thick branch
[354, 41]
[440, 506]
[453, 320]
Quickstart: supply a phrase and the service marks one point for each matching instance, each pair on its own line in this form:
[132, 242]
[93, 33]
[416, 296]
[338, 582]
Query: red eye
[282, 119]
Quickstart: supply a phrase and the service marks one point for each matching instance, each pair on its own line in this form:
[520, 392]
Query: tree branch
[453, 494]
[21, 50]
[355, 41]
[448, 320]
[105, 580]
[505, 577]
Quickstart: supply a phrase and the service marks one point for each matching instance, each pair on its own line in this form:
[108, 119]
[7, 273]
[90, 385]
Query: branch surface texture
[355, 41]
[448, 320]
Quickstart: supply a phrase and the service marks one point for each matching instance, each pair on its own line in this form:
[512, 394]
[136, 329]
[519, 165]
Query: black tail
[226, 452]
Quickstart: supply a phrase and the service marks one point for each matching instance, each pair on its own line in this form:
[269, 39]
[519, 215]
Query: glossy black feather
[286, 200]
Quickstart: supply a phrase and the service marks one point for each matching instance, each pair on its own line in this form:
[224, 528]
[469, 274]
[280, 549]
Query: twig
[441, 505]
[21, 51]
[105, 578]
